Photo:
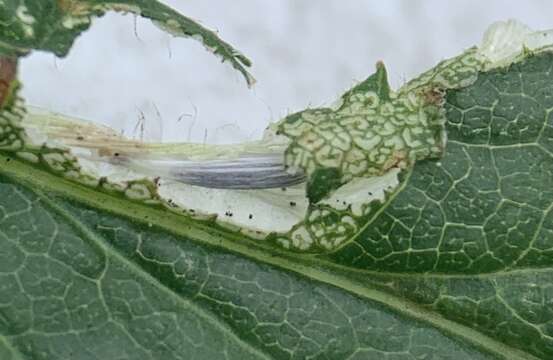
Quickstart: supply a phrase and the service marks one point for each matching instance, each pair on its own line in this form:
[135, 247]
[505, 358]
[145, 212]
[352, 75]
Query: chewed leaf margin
[54, 25]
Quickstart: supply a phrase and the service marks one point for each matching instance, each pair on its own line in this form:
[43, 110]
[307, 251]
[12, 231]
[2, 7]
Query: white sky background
[304, 53]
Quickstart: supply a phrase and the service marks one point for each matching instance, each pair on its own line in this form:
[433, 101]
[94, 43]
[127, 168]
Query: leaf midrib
[180, 225]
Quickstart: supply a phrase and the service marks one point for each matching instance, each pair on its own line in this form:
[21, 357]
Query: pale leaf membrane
[504, 41]
[102, 152]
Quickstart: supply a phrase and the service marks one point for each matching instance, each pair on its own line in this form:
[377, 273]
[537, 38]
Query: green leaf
[456, 265]
[455, 262]
[78, 280]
